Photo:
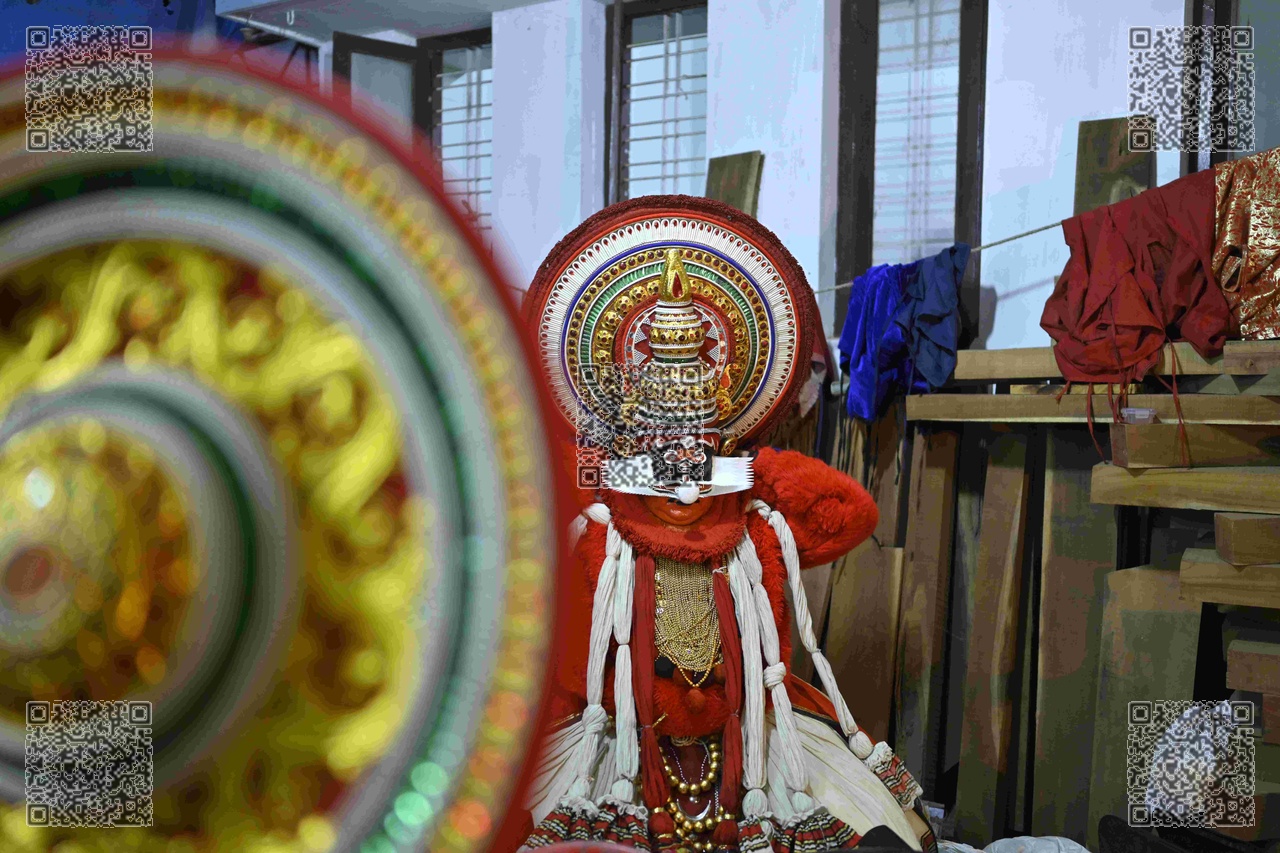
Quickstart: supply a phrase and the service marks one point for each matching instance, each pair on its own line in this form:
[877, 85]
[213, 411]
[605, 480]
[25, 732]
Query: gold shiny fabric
[1246, 250]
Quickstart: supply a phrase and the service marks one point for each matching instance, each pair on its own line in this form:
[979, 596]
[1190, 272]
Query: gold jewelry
[688, 828]
[687, 626]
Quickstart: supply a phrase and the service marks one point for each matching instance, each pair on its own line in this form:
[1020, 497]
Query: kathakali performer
[676, 332]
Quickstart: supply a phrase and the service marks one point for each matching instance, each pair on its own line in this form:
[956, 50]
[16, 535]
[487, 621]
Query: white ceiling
[318, 20]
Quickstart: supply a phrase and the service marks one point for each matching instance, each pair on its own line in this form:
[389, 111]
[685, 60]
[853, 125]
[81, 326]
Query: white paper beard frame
[633, 475]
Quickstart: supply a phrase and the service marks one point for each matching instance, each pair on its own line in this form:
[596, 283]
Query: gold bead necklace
[688, 829]
[687, 626]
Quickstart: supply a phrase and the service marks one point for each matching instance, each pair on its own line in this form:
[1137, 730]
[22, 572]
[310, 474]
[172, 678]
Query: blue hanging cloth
[873, 300]
[902, 330]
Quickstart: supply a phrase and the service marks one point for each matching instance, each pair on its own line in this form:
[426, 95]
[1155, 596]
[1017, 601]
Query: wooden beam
[1225, 489]
[1245, 539]
[1148, 650]
[1160, 445]
[861, 643]
[985, 786]
[1241, 358]
[922, 619]
[1207, 577]
[1251, 357]
[1033, 408]
[1254, 666]
[1077, 554]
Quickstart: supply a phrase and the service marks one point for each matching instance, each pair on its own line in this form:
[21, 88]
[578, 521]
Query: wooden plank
[922, 620]
[1077, 554]
[970, 481]
[861, 643]
[1039, 363]
[1148, 651]
[1255, 666]
[1241, 358]
[1251, 357]
[1207, 577]
[1225, 489]
[1246, 539]
[986, 787]
[1031, 408]
[1270, 718]
[1057, 388]
[1160, 445]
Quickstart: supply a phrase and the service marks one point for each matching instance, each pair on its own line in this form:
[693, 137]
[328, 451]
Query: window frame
[618, 19]
[432, 50]
[346, 44]
[856, 161]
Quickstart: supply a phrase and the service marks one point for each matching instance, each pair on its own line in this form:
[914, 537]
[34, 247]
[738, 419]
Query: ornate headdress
[674, 331]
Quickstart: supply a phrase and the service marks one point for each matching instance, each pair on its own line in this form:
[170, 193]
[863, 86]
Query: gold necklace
[688, 829]
[687, 626]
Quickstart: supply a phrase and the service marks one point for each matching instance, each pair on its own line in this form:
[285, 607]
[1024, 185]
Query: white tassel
[577, 527]
[859, 743]
[774, 676]
[755, 804]
[597, 512]
[627, 744]
[594, 718]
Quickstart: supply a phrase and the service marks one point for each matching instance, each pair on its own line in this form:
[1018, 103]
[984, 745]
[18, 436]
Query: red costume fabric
[829, 513]
[1140, 274]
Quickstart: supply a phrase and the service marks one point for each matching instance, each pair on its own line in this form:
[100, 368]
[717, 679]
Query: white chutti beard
[634, 476]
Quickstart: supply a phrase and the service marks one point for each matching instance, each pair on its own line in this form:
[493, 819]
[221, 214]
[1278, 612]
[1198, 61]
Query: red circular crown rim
[748, 228]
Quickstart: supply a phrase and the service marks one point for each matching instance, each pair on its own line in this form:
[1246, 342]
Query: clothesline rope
[974, 250]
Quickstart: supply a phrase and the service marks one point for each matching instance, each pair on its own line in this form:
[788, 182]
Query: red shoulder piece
[829, 512]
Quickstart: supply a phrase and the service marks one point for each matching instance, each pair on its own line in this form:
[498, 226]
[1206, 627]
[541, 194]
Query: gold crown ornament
[673, 328]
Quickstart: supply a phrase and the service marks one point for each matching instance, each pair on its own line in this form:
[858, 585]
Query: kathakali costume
[677, 331]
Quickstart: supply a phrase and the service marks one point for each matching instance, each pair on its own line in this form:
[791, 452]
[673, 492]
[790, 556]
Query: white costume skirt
[837, 779]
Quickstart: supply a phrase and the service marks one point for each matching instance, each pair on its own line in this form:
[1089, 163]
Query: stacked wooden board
[1017, 641]
[1221, 459]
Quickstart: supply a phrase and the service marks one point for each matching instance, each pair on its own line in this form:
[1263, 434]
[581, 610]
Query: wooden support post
[861, 642]
[986, 787]
[1149, 641]
[1244, 539]
[1077, 554]
[926, 577]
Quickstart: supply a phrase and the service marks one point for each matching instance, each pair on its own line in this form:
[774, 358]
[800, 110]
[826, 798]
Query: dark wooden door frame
[856, 131]
[1221, 13]
[618, 26]
[970, 130]
[345, 44]
[431, 52]
[855, 162]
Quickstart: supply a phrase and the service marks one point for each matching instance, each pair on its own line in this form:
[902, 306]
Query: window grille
[462, 126]
[917, 104]
[664, 104]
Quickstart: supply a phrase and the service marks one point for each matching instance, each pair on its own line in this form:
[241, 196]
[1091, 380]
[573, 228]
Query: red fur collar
[715, 535]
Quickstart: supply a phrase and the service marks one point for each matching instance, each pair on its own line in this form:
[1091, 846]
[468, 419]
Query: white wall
[772, 87]
[549, 82]
[1050, 64]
